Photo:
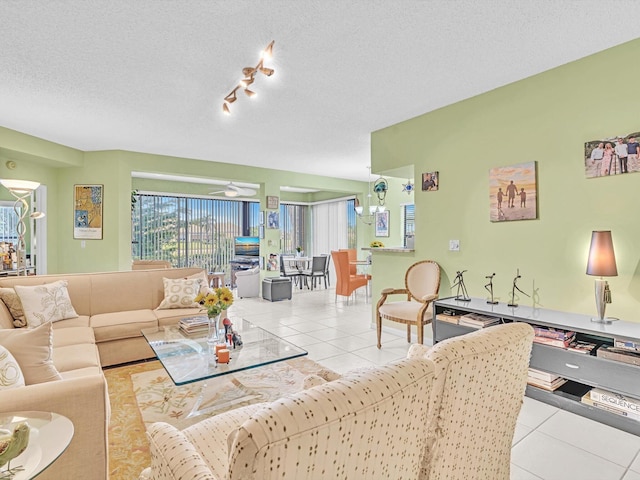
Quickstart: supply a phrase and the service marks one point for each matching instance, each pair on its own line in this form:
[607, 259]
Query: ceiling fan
[234, 191]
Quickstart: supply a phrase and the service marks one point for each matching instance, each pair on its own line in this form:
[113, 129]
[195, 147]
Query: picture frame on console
[87, 211]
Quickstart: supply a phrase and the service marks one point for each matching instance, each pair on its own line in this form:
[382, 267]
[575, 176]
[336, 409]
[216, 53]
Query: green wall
[546, 119]
[60, 168]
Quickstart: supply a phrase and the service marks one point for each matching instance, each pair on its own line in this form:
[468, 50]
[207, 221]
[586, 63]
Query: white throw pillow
[12, 301]
[204, 280]
[179, 293]
[10, 373]
[46, 303]
[32, 349]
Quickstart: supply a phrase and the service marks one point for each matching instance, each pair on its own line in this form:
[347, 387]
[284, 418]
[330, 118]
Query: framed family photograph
[430, 181]
[87, 212]
[382, 224]
[612, 155]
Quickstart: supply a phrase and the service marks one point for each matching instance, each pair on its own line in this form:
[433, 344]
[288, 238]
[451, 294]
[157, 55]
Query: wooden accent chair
[346, 283]
[478, 388]
[422, 283]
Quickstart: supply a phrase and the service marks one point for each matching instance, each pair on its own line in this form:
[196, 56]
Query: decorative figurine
[514, 288]
[459, 282]
[489, 288]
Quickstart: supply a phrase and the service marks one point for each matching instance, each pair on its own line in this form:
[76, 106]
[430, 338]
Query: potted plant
[299, 251]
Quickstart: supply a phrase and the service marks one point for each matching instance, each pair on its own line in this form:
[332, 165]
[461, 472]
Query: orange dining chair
[353, 257]
[422, 283]
[346, 283]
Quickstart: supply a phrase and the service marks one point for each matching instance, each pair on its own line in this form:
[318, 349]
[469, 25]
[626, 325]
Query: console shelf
[581, 368]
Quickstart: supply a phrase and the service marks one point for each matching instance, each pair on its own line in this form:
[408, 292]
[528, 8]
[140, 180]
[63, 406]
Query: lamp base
[605, 321]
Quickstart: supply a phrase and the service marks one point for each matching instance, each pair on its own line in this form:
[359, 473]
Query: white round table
[49, 437]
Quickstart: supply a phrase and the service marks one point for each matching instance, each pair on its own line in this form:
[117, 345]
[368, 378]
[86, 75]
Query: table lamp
[602, 263]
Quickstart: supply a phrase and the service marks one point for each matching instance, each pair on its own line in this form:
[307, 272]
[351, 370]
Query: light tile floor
[549, 443]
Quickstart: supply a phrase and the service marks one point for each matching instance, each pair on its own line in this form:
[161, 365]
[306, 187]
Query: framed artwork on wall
[382, 224]
[615, 155]
[87, 211]
[273, 220]
[513, 193]
[273, 202]
[430, 181]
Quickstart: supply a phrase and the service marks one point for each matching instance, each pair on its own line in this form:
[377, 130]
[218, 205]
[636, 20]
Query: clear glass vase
[212, 334]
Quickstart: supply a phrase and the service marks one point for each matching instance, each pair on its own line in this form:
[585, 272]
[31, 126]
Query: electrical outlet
[83, 244]
[454, 245]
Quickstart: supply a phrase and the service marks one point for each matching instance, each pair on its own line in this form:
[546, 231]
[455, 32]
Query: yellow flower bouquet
[215, 301]
[376, 244]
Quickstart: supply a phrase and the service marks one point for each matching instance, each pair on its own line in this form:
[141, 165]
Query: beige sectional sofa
[112, 309]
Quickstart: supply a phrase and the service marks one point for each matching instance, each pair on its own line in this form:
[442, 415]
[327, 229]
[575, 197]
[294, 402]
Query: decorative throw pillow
[12, 301]
[179, 293]
[10, 373]
[32, 349]
[46, 303]
[204, 280]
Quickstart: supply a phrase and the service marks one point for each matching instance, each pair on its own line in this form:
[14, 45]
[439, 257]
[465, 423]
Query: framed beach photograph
[382, 224]
[87, 212]
[513, 193]
[430, 181]
[613, 155]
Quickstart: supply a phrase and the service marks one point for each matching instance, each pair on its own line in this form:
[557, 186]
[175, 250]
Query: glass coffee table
[188, 358]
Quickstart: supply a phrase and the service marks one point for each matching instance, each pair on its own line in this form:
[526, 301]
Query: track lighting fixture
[249, 77]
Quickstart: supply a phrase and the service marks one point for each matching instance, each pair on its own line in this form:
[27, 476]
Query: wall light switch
[83, 244]
[454, 245]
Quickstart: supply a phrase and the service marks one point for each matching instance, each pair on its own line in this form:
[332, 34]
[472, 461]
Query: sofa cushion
[179, 293]
[10, 372]
[12, 301]
[119, 325]
[74, 357]
[79, 321]
[73, 336]
[81, 372]
[45, 303]
[32, 349]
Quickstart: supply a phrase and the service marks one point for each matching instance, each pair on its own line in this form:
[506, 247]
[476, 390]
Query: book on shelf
[616, 400]
[549, 332]
[581, 347]
[477, 320]
[619, 354]
[627, 344]
[573, 390]
[550, 386]
[542, 375]
[553, 342]
[587, 400]
[443, 317]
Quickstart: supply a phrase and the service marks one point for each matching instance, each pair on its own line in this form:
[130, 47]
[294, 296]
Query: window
[293, 225]
[409, 225]
[190, 231]
[8, 221]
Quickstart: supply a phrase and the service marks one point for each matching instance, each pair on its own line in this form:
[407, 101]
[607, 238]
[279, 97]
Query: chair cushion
[404, 310]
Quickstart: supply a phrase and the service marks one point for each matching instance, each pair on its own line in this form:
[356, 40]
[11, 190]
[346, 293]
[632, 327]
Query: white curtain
[329, 229]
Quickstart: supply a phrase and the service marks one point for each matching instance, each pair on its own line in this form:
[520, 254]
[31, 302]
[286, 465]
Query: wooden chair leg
[408, 333]
[420, 328]
[379, 328]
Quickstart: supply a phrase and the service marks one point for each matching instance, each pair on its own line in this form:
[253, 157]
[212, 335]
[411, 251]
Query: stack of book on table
[613, 402]
[622, 351]
[544, 380]
[553, 337]
[475, 320]
[194, 324]
[448, 316]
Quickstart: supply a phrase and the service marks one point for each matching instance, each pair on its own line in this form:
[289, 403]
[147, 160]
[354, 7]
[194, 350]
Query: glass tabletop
[49, 436]
[188, 358]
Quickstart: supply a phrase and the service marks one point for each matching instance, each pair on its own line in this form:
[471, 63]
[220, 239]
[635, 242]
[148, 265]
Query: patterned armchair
[478, 389]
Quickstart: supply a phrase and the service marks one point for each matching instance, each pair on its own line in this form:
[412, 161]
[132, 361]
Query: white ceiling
[150, 76]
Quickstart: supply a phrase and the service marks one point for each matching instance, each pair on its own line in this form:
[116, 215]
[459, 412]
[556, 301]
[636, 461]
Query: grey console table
[581, 368]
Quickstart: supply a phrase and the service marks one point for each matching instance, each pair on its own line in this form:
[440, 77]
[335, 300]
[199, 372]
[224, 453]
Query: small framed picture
[274, 220]
[382, 224]
[273, 202]
[430, 182]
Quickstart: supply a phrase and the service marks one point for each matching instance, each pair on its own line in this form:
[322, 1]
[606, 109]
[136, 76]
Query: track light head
[231, 97]
[245, 82]
[225, 109]
[267, 71]
[268, 52]
[248, 71]
[249, 93]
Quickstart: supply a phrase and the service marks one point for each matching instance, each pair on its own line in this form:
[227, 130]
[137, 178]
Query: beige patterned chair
[368, 424]
[478, 390]
[422, 283]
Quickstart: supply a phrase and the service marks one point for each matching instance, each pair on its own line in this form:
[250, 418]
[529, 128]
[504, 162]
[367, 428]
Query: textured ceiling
[150, 76]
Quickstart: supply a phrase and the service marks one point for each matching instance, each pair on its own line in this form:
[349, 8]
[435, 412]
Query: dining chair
[317, 270]
[346, 283]
[286, 270]
[353, 257]
[422, 283]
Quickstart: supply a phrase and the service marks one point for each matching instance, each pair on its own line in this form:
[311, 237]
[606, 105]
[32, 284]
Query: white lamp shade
[25, 186]
[602, 259]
